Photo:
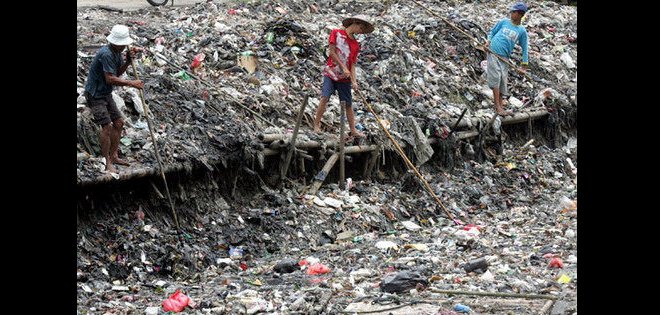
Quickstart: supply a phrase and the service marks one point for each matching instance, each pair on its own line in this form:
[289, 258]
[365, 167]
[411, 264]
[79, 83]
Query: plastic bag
[556, 263]
[197, 61]
[317, 269]
[176, 302]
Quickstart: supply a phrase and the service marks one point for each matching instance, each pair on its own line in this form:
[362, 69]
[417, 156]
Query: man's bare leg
[323, 104]
[499, 109]
[117, 126]
[105, 137]
[350, 115]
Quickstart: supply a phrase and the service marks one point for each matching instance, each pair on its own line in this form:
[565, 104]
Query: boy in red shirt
[339, 72]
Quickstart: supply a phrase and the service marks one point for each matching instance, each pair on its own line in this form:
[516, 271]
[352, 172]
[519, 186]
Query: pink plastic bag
[317, 269]
[197, 61]
[176, 303]
[556, 263]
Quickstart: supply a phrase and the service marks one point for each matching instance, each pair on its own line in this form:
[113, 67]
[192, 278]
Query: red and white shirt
[347, 50]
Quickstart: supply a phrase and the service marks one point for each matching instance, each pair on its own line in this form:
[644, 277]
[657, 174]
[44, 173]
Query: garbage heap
[374, 246]
[218, 74]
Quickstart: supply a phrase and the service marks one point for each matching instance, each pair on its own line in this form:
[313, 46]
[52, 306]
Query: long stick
[292, 143]
[320, 177]
[160, 163]
[498, 294]
[475, 40]
[457, 121]
[342, 121]
[405, 158]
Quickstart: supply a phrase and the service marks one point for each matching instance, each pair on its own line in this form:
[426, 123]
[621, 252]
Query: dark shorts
[342, 88]
[104, 109]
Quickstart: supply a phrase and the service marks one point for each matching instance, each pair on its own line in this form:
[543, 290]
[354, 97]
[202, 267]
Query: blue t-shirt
[106, 60]
[504, 36]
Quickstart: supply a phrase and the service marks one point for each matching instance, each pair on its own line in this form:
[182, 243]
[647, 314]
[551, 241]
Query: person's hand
[355, 85]
[131, 52]
[522, 69]
[138, 84]
[346, 74]
[487, 44]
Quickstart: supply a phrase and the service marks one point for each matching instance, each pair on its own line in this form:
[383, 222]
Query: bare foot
[357, 134]
[110, 168]
[505, 113]
[120, 161]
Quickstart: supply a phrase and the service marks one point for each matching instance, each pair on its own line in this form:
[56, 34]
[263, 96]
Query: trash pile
[368, 248]
[386, 245]
[217, 74]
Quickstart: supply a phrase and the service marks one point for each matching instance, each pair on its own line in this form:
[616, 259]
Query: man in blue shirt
[104, 73]
[501, 40]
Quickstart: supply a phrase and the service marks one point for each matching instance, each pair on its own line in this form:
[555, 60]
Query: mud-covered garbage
[478, 265]
[402, 282]
[286, 266]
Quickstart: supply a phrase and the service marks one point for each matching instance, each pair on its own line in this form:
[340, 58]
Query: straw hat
[359, 18]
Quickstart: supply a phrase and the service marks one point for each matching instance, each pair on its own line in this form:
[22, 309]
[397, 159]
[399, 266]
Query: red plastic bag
[317, 269]
[556, 263]
[176, 303]
[470, 226]
[197, 61]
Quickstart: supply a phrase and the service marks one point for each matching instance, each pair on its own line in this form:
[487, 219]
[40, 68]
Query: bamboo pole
[153, 139]
[405, 158]
[133, 174]
[320, 177]
[506, 120]
[497, 294]
[292, 142]
[547, 307]
[342, 161]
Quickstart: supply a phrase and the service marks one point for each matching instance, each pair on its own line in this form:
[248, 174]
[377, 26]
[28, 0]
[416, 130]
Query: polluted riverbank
[249, 244]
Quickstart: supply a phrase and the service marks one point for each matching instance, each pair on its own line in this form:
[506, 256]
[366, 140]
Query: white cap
[119, 36]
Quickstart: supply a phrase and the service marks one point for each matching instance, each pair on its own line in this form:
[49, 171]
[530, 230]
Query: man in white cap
[339, 72]
[104, 73]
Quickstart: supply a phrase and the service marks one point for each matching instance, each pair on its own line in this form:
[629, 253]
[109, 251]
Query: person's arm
[335, 58]
[112, 79]
[523, 43]
[353, 79]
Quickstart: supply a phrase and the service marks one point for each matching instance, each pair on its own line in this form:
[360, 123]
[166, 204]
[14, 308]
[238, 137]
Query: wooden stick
[547, 307]
[153, 139]
[405, 158]
[309, 144]
[292, 142]
[320, 177]
[453, 129]
[506, 120]
[498, 294]
[342, 122]
[271, 137]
